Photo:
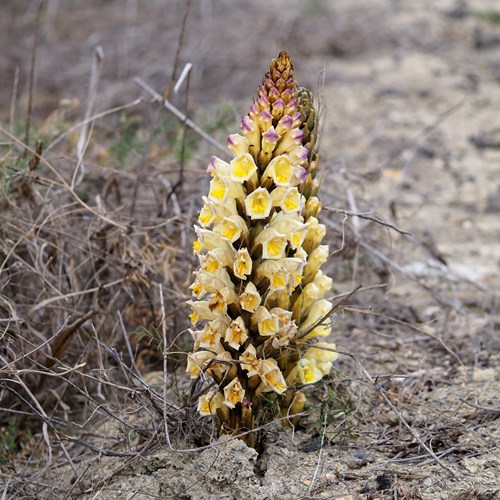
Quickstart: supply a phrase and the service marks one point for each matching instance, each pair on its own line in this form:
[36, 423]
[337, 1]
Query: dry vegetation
[99, 186]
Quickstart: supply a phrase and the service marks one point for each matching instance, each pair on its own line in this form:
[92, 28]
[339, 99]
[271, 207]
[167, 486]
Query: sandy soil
[412, 131]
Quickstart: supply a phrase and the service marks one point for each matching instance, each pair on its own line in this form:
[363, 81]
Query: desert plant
[259, 305]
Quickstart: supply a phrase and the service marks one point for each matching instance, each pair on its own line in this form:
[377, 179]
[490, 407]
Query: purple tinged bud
[278, 107]
[301, 152]
[262, 91]
[271, 136]
[263, 102]
[274, 94]
[300, 173]
[247, 125]
[297, 119]
[297, 135]
[292, 106]
[254, 111]
[212, 168]
[284, 125]
[266, 119]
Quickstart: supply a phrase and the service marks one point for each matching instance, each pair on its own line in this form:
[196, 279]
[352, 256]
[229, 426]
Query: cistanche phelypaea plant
[259, 302]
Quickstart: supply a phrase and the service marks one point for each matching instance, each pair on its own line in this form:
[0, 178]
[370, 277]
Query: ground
[410, 155]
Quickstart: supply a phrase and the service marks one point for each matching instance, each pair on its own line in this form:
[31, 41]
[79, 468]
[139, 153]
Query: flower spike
[259, 296]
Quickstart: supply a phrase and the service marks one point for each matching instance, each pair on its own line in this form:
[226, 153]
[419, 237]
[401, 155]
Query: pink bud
[247, 125]
[271, 136]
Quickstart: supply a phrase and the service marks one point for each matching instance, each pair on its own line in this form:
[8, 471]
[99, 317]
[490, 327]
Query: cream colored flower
[271, 376]
[210, 402]
[237, 144]
[219, 189]
[217, 167]
[249, 361]
[215, 260]
[197, 361]
[323, 353]
[316, 259]
[315, 235]
[288, 199]
[242, 266]
[212, 333]
[233, 393]
[231, 228]
[304, 372]
[242, 168]
[273, 243]
[236, 333]
[250, 299]
[258, 204]
[212, 213]
[267, 323]
[220, 364]
[317, 313]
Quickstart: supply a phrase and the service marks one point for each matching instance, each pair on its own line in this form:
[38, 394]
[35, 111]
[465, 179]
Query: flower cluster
[259, 302]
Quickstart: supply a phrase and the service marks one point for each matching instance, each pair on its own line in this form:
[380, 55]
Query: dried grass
[95, 265]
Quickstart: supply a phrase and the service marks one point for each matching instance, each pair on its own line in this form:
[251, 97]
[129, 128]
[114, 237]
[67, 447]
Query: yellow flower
[304, 372]
[242, 168]
[197, 361]
[242, 266]
[219, 189]
[217, 167]
[237, 144]
[236, 333]
[322, 352]
[315, 235]
[249, 361]
[212, 213]
[271, 376]
[273, 243]
[231, 228]
[258, 204]
[220, 365]
[267, 323]
[233, 393]
[316, 259]
[250, 299]
[280, 169]
[210, 402]
[288, 199]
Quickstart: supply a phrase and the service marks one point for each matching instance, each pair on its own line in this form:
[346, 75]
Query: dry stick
[181, 116]
[32, 74]
[133, 366]
[84, 136]
[93, 118]
[409, 325]
[165, 366]
[184, 136]
[74, 294]
[180, 42]
[370, 216]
